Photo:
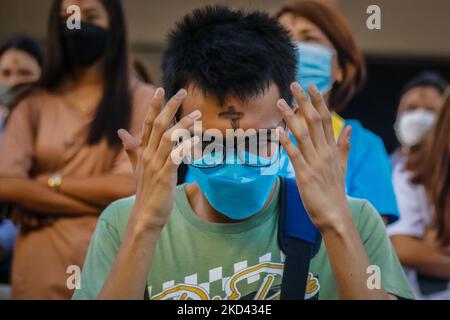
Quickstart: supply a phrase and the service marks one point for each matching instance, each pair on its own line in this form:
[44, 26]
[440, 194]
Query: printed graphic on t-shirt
[256, 282]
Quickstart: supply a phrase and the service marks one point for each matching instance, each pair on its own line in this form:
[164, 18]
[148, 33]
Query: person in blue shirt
[329, 57]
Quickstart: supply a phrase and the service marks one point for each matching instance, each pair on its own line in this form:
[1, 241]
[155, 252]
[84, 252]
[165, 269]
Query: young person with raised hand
[216, 238]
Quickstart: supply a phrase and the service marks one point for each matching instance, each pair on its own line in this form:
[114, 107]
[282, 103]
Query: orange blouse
[45, 135]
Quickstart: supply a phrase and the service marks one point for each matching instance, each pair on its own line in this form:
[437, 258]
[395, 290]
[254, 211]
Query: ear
[339, 75]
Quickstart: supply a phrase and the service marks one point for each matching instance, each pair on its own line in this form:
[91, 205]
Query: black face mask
[85, 46]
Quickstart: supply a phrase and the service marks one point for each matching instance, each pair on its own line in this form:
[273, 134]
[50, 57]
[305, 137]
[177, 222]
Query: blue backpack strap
[298, 238]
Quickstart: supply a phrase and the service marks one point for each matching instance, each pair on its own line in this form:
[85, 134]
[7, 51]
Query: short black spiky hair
[226, 52]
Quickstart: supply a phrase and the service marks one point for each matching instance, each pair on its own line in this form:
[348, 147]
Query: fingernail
[313, 89]
[159, 93]
[281, 131]
[297, 86]
[283, 104]
[181, 94]
[195, 115]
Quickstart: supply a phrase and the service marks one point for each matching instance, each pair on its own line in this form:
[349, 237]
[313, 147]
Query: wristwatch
[55, 181]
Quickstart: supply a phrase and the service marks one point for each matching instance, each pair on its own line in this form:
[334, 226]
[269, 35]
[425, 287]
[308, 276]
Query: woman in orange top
[60, 159]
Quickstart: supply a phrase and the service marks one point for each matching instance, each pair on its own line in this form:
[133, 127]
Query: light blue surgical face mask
[314, 66]
[236, 190]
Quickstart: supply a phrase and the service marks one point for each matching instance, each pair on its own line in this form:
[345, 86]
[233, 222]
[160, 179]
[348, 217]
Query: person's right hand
[155, 170]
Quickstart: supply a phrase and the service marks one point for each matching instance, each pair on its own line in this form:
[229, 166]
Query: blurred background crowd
[62, 100]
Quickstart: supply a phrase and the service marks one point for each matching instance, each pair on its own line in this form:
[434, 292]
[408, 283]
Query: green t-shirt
[196, 259]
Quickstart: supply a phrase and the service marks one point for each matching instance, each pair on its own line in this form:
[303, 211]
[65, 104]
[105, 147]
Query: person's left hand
[319, 162]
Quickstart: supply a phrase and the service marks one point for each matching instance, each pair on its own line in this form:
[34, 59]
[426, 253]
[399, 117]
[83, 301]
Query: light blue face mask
[236, 190]
[314, 66]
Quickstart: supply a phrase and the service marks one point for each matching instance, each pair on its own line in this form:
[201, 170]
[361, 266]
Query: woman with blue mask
[328, 57]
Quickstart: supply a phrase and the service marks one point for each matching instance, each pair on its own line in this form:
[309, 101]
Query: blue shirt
[369, 174]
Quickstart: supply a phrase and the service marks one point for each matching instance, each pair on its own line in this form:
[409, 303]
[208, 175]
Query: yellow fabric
[338, 124]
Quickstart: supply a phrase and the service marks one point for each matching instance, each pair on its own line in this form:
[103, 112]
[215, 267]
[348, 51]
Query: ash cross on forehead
[233, 115]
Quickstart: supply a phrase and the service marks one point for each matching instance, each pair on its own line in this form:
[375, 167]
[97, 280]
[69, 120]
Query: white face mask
[411, 126]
